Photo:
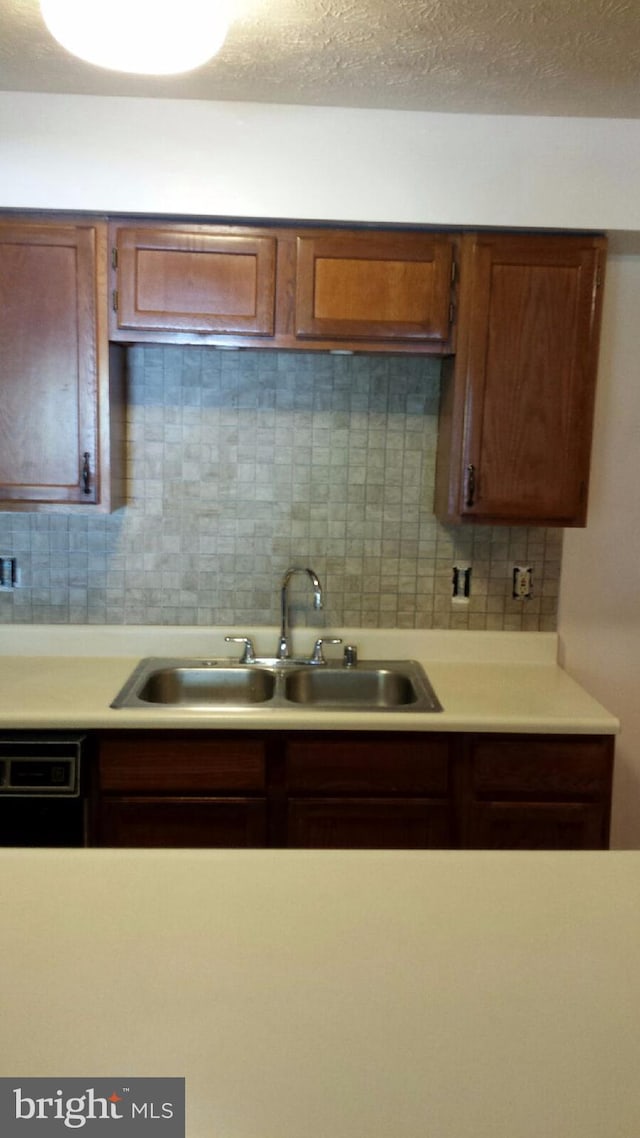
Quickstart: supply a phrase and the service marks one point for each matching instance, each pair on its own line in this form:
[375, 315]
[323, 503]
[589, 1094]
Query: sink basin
[196, 684]
[377, 687]
[207, 685]
[202, 685]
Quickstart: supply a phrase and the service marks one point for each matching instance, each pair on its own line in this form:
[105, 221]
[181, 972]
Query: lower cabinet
[353, 790]
[368, 791]
[180, 790]
[535, 792]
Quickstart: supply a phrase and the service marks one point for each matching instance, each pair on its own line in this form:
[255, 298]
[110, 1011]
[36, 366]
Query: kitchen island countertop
[419, 994]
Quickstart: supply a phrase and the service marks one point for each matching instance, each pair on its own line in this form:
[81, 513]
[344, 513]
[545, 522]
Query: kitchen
[83, 152]
[608, 657]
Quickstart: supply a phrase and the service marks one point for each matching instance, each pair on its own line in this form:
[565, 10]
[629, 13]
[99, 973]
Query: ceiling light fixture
[140, 36]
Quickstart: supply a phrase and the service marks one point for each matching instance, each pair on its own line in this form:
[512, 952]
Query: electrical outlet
[522, 582]
[9, 574]
[461, 584]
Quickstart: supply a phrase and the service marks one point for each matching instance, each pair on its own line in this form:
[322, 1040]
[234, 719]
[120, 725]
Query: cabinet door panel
[334, 823]
[537, 826]
[48, 364]
[516, 412]
[373, 286]
[531, 375]
[195, 281]
[196, 823]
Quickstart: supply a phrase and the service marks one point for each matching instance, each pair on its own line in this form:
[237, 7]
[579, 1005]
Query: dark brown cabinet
[368, 792]
[353, 790]
[60, 429]
[517, 403]
[374, 286]
[536, 792]
[180, 790]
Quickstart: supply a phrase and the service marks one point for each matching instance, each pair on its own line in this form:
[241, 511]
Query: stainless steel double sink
[201, 685]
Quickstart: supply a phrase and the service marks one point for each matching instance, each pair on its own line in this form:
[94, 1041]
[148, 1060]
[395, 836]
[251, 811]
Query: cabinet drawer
[533, 767]
[181, 763]
[393, 765]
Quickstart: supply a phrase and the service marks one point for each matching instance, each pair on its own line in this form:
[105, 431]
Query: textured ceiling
[532, 57]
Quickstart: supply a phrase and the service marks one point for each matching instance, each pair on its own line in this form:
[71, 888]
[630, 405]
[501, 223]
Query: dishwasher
[43, 789]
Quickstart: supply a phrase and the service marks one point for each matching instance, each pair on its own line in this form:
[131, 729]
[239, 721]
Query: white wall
[244, 160]
[599, 620]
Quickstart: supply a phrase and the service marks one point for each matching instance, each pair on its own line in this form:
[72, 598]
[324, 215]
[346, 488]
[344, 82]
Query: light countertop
[360, 994]
[66, 677]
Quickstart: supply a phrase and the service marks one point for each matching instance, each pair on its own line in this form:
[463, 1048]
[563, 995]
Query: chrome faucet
[283, 643]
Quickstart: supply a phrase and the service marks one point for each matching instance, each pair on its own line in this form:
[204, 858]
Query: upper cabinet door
[516, 420]
[374, 286]
[49, 365]
[193, 279]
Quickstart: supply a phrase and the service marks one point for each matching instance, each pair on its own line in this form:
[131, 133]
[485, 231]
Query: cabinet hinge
[598, 277]
[114, 300]
[114, 258]
[454, 271]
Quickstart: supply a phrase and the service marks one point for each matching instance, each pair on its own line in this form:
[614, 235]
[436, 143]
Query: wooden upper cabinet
[517, 404]
[57, 407]
[281, 287]
[193, 279]
[374, 286]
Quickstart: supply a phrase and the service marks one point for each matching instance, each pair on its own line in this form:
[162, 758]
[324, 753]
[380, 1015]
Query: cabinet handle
[86, 473]
[471, 486]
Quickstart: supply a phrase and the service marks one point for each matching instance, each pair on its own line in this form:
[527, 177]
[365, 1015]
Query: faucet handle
[318, 655]
[248, 656]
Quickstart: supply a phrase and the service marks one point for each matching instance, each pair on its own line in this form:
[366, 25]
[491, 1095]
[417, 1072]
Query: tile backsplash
[241, 464]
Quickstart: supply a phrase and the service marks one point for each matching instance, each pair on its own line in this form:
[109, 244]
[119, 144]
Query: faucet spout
[283, 643]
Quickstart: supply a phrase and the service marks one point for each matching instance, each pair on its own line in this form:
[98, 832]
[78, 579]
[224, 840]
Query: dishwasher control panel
[44, 767]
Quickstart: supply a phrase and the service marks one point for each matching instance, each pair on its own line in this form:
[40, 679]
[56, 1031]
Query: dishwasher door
[43, 798]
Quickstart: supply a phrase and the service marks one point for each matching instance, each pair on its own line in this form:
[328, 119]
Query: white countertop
[395, 994]
[65, 677]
